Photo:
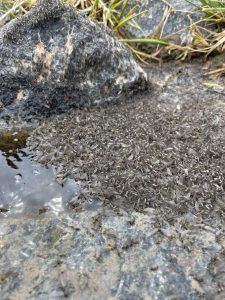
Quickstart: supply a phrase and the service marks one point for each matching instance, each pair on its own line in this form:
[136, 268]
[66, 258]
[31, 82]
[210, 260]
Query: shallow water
[26, 187]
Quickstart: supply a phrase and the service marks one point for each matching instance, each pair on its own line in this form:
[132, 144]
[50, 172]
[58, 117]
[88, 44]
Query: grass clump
[213, 14]
[208, 33]
[5, 6]
[214, 10]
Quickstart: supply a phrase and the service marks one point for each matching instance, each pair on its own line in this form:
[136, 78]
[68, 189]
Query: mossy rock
[11, 141]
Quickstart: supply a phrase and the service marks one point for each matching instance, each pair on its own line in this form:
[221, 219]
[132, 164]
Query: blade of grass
[148, 41]
[126, 20]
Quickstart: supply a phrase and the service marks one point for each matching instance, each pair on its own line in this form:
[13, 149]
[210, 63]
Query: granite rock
[105, 255]
[173, 248]
[169, 19]
[53, 58]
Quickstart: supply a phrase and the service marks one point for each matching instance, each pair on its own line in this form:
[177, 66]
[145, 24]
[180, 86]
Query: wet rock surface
[169, 152]
[104, 255]
[149, 221]
[54, 58]
[164, 151]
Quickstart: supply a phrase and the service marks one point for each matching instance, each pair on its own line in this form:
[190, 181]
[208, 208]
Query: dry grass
[116, 15]
[113, 14]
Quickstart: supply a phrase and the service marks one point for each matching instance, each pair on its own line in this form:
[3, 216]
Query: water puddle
[26, 187]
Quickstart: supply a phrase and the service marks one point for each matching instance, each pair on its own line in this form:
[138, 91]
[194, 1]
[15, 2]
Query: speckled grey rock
[164, 150]
[101, 255]
[54, 58]
[169, 18]
[163, 154]
[172, 249]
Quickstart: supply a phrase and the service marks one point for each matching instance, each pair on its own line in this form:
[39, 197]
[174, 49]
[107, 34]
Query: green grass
[206, 38]
[214, 10]
[214, 13]
[114, 14]
[118, 14]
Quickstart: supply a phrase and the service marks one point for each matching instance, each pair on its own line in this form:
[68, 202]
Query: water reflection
[28, 188]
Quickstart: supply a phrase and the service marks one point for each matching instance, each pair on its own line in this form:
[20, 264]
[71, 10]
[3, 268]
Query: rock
[62, 257]
[54, 58]
[175, 249]
[169, 18]
[151, 152]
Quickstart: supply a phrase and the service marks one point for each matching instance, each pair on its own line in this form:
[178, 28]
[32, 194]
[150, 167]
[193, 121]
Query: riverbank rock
[97, 254]
[164, 150]
[54, 58]
[171, 19]
[162, 154]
